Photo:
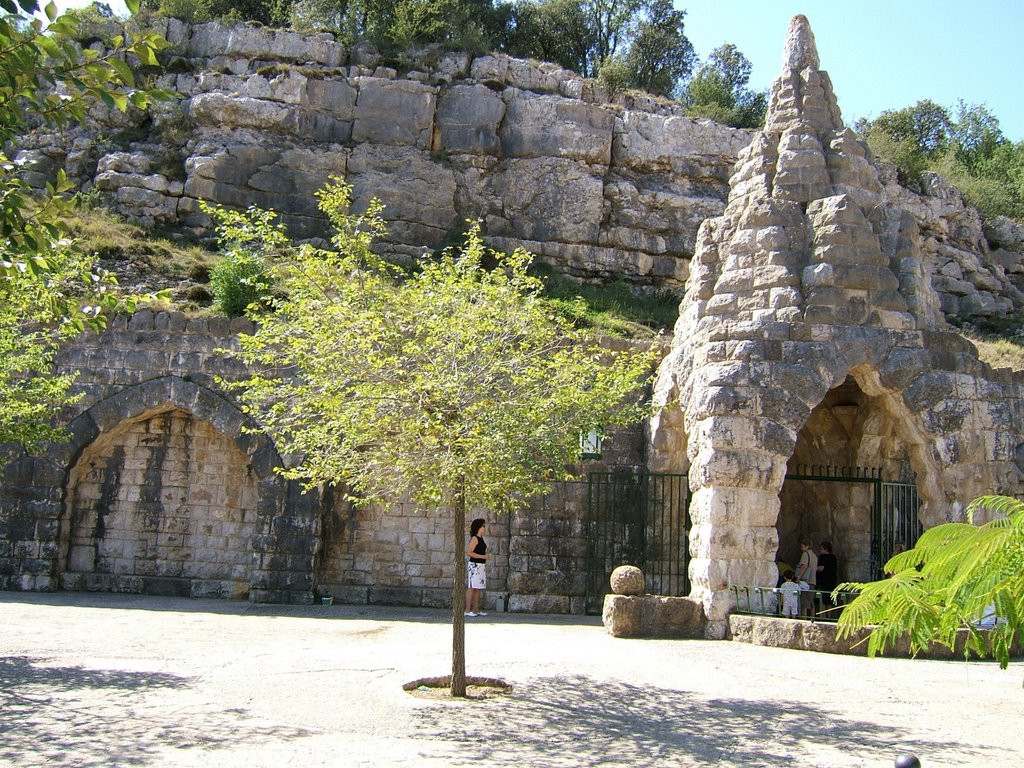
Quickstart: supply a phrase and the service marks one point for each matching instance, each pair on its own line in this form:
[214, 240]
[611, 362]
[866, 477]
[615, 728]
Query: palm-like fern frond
[955, 575]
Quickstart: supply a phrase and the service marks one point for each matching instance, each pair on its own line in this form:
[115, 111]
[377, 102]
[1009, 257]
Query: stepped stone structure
[810, 334]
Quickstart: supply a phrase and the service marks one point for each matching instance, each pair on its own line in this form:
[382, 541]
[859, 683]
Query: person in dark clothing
[828, 571]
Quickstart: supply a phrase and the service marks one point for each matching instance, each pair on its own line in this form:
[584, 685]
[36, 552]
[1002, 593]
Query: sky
[880, 54]
[884, 54]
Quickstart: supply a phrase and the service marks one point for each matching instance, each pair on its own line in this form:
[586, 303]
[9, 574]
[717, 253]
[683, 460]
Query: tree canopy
[956, 576]
[965, 145]
[718, 90]
[48, 290]
[456, 386]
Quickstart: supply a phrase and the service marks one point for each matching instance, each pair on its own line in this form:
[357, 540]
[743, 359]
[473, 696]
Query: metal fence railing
[767, 601]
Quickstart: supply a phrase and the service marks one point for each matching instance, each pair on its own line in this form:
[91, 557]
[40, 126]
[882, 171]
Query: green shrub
[240, 279]
[615, 75]
[243, 280]
[615, 307]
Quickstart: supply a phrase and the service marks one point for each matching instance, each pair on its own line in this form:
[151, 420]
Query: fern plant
[957, 575]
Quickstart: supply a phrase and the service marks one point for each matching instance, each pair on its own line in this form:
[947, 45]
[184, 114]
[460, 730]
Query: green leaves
[242, 280]
[402, 384]
[48, 290]
[955, 575]
[968, 149]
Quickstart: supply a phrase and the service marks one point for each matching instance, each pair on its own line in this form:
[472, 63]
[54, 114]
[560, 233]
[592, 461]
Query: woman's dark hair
[827, 546]
[476, 525]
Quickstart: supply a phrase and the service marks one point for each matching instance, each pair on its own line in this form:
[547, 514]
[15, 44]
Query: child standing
[790, 591]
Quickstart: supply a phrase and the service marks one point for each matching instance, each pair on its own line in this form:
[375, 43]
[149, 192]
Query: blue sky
[880, 54]
[884, 54]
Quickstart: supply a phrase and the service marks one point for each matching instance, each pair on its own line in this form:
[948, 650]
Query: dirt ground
[114, 680]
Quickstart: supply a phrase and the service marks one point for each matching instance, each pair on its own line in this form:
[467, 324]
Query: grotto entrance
[891, 513]
[163, 504]
[849, 481]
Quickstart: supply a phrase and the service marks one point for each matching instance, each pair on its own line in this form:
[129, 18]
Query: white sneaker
[481, 614]
[470, 613]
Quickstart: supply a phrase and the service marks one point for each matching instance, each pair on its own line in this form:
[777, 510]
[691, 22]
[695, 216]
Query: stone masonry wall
[160, 487]
[163, 489]
[150, 500]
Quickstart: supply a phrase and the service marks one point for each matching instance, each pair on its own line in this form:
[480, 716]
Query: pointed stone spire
[805, 236]
[801, 96]
[800, 51]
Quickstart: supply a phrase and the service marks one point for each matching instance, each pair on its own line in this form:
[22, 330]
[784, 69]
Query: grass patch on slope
[114, 240]
[137, 255]
[1000, 353]
[614, 307]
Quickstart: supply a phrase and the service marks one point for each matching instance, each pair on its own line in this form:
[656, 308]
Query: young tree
[47, 289]
[955, 576]
[456, 386]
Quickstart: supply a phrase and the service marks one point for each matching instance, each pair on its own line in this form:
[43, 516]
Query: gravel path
[114, 680]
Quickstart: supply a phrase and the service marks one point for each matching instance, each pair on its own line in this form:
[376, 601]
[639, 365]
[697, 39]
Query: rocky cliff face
[602, 185]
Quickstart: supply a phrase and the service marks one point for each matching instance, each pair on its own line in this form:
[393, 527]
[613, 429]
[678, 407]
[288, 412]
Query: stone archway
[849, 439]
[169, 489]
[164, 504]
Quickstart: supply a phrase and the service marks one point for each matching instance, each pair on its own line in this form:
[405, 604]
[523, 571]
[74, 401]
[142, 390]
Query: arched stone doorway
[137, 454]
[854, 447]
[164, 503]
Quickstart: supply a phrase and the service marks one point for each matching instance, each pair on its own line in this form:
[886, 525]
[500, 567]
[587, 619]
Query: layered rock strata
[602, 185]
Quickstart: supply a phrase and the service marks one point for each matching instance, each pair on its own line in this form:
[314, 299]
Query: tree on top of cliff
[455, 386]
[968, 149]
[636, 43]
[475, 25]
[719, 90]
[48, 290]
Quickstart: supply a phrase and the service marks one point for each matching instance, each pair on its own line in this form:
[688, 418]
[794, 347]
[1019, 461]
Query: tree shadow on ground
[577, 721]
[64, 716]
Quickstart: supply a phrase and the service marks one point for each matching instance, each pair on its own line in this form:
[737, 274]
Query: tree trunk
[459, 596]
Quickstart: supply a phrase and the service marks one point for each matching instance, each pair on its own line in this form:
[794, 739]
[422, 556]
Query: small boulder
[627, 580]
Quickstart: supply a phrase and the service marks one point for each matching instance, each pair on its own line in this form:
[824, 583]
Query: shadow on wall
[578, 721]
[49, 714]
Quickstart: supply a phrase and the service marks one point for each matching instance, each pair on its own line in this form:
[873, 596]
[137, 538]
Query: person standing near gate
[807, 572]
[828, 572]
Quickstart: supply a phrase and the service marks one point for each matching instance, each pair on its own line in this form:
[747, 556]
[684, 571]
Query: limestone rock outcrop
[602, 185]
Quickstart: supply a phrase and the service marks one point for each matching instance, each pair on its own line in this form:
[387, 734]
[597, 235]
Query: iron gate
[894, 508]
[641, 519]
[897, 522]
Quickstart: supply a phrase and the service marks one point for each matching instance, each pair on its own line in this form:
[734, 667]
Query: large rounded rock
[627, 580]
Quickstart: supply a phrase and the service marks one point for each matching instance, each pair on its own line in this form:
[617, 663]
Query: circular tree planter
[477, 688]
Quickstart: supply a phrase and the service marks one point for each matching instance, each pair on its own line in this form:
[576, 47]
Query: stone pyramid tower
[809, 284]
